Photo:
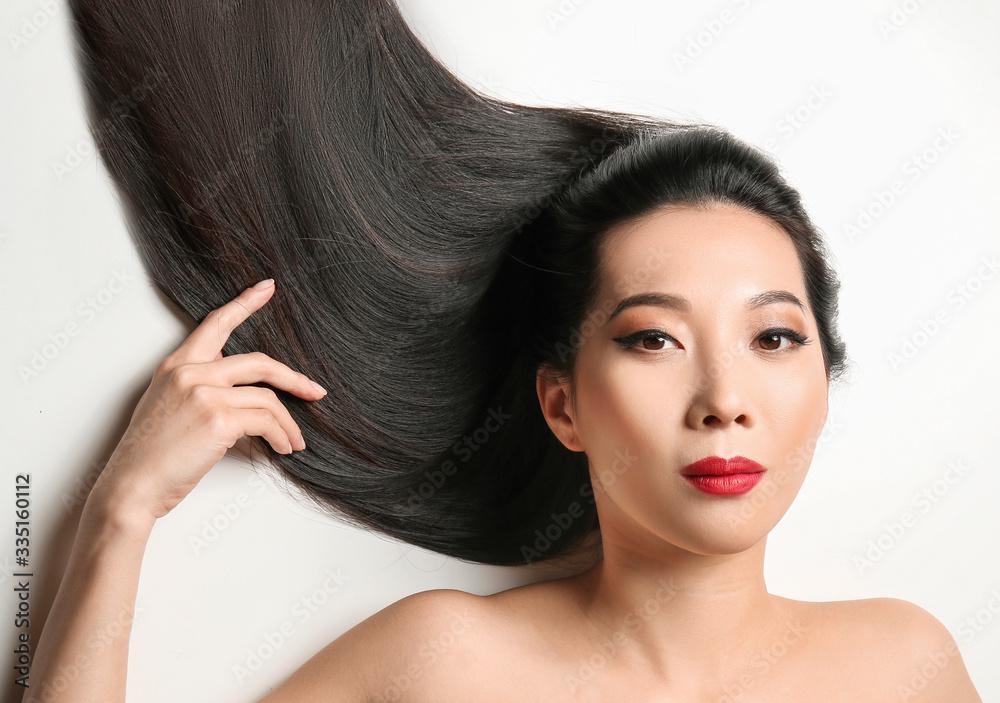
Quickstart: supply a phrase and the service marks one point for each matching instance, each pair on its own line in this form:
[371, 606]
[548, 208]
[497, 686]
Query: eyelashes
[794, 337]
[628, 341]
[798, 340]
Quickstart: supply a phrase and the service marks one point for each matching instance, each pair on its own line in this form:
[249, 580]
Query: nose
[718, 397]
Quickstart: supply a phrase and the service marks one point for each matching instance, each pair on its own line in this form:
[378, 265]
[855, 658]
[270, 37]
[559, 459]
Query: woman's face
[700, 377]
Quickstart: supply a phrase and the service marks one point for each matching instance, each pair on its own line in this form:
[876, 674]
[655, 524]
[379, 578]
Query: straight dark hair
[409, 222]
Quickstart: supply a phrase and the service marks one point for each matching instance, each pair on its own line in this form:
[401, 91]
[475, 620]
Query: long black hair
[420, 234]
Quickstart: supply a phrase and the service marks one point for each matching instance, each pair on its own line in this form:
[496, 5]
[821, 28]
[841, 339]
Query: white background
[885, 83]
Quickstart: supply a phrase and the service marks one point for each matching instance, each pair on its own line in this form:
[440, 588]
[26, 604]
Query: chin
[722, 535]
[724, 545]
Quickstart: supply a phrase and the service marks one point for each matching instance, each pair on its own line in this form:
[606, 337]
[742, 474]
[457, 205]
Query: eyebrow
[682, 304]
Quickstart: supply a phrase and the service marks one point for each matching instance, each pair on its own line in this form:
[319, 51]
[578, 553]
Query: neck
[692, 616]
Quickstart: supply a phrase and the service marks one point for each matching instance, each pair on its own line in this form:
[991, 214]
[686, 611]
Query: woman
[681, 314]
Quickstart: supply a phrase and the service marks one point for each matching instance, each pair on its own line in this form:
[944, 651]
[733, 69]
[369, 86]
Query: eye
[652, 340]
[771, 339]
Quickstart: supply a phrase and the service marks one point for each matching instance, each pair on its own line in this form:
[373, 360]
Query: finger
[252, 398]
[254, 367]
[205, 343]
[261, 423]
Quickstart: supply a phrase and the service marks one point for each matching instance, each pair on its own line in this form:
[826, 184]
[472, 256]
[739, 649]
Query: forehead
[687, 250]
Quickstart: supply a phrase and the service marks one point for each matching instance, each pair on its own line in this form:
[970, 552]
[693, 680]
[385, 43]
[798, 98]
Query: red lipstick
[722, 477]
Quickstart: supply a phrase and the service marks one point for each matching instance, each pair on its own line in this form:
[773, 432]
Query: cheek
[612, 411]
[799, 407]
[622, 420]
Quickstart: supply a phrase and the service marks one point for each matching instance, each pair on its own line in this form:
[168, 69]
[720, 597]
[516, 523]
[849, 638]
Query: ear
[557, 407]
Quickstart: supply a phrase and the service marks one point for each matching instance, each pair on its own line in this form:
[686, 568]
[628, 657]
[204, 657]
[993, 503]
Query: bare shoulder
[893, 646]
[401, 653]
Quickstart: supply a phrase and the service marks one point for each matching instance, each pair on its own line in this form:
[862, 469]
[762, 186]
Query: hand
[192, 413]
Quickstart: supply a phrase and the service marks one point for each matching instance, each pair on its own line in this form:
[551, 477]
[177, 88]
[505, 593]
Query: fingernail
[265, 284]
[319, 388]
[300, 444]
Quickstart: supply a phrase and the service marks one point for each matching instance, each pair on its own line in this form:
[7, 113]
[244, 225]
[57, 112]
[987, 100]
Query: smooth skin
[192, 412]
[677, 609]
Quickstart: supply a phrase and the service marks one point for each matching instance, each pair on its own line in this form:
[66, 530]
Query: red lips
[725, 477]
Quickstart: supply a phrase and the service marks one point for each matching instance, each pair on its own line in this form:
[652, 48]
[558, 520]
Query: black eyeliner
[630, 340]
[791, 334]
